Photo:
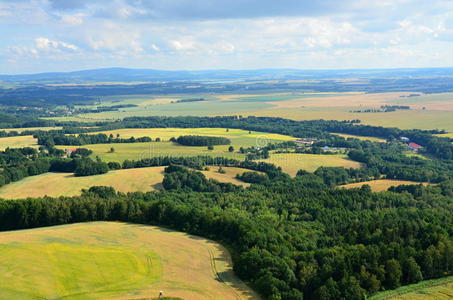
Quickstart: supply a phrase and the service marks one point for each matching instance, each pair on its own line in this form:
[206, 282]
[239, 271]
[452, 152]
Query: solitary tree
[231, 149]
[112, 150]
[210, 147]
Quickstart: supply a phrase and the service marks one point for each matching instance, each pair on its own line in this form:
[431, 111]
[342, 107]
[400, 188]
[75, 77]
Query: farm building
[414, 147]
[70, 151]
[305, 141]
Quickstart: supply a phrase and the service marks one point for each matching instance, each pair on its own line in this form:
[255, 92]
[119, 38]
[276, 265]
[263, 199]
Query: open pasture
[436, 289]
[427, 111]
[66, 184]
[18, 142]
[380, 184]
[228, 177]
[101, 260]
[363, 138]
[128, 180]
[136, 151]
[30, 128]
[293, 162]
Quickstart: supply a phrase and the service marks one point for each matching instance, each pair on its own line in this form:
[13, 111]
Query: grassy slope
[292, 162]
[437, 289]
[65, 184]
[137, 151]
[18, 142]
[114, 261]
[379, 185]
[363, 138]
[130, 180]
[31, 128]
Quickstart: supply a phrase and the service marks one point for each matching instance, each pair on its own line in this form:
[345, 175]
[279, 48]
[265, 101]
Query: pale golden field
[66, 184]
[137, 151]
[109, 260]
[380, 184]
[364, 138]
[30, 128]
[293, 162]
[128, 180]
[18, 142]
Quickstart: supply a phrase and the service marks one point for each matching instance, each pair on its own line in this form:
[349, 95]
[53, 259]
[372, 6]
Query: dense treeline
[199, 140]
[50, 140]
[290, 238]
[177, 177]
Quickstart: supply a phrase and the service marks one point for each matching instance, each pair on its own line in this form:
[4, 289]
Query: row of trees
[199, 140]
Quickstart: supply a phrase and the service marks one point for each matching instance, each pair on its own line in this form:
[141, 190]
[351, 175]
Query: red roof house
[414, 146]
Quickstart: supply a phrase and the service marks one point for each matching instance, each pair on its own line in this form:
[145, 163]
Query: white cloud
[45, 44]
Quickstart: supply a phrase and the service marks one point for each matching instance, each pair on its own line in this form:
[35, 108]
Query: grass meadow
[380, 184]
[128, 180]
[18, 142]
[427, 111]
[136, 151]
[436, 289]
[101, 260]
[293, 162]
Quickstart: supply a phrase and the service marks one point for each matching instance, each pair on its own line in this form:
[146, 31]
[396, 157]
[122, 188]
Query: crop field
[101, 260]
[436, 289]
[66, 184]
[363, 138]
[18, 142]
[30, 128]
[229, 176]
[128, 180]
[293, 162]
[137, 151]
[380, 184]
[427, 111]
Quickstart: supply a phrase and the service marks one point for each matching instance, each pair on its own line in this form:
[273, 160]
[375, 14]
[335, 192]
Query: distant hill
[151, 75]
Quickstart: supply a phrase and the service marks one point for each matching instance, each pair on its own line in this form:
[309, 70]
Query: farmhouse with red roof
[414, 147]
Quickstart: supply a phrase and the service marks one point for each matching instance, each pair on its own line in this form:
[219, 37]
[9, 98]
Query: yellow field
[293, 162]
[137, 151]
[30, 128]
[65, 184]
[228, 176]
[363, 138]
[437, 289]
[101, 260]
[18, 142]
[129, 180]
[380, 184]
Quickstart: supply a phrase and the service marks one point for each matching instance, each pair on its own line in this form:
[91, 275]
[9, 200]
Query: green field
[18, 142]
[30, 128]
[103, 260]
[437, 289]
[427, 111]
[380, 184]
[136, 151]
[293, 162]
[363, 138]
[128, 180]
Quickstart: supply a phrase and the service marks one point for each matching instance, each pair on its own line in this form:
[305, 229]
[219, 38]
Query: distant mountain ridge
[153, 75]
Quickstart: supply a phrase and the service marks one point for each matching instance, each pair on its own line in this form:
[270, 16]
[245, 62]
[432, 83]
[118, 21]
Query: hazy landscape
[183, 150]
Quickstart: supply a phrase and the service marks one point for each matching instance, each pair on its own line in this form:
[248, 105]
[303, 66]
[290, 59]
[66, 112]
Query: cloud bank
[61, 35]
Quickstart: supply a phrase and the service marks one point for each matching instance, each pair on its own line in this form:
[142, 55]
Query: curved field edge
[127, 180]
[436, 289]
[380, 185]
[113, 260]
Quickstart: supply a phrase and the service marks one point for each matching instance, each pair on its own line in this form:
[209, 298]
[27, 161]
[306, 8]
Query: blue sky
[64, 35]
